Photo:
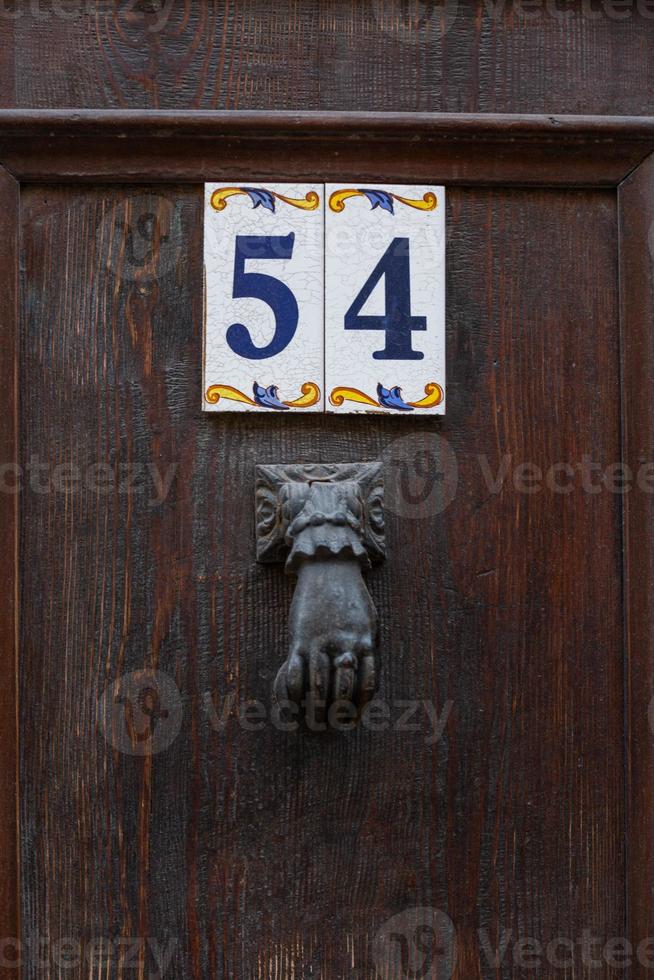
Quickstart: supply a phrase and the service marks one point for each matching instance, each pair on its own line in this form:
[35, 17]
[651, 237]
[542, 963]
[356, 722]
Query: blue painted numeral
[397, 322]
[256, 285]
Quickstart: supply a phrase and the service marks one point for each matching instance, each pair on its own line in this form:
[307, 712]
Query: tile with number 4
[385, 299]
[264, 279]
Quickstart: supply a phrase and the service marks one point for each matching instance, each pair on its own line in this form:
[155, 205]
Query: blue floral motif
[260, 197]
[392, 398]
[379, 199]
[267, 397]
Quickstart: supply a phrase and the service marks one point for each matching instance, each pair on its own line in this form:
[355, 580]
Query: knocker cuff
[325, 541]
[325, 521]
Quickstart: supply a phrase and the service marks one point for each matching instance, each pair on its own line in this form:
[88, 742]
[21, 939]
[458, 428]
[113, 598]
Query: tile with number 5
[264, 280]
[385, 299]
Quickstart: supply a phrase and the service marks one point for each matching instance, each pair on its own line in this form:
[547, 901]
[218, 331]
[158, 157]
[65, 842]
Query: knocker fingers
[367, 679]
[319, 682]
[280, 687]
[295, 677]
[345, 674]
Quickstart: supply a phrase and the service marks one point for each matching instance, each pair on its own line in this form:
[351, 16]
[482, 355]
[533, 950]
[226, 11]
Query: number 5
[256, 285]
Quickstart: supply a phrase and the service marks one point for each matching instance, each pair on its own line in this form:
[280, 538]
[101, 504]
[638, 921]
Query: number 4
[397, 322]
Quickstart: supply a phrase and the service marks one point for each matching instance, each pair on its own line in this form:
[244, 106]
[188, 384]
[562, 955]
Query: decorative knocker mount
[326, 522]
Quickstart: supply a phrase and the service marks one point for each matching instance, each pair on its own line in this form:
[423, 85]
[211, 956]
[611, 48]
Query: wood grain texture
[413, 55]
[127, 146]
[636, 199]
[7, 66]
[261, 854]
[9, 229]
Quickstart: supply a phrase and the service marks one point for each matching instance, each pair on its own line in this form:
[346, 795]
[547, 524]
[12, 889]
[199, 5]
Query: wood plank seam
[636, 272]
[9, 607]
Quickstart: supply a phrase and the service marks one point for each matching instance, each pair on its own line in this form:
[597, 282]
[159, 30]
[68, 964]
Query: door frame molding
[474, 150]
[128, 145]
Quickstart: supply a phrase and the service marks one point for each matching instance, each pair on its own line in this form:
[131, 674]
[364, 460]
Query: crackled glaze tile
[264, 280]
[385, 299]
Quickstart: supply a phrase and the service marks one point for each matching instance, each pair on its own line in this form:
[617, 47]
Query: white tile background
[333, 256]
[356, 239]
[303, 359]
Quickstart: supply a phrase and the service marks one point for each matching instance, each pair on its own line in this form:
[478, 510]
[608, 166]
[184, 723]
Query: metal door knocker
[326, 521]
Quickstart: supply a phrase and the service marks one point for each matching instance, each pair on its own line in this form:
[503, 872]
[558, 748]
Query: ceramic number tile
[264, 277]
[385, 299]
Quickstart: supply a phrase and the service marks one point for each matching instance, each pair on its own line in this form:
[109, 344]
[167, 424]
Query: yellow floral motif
[310, 202]
[340, 395]
[215, 392]
[433, 397]
[310, 395]
[428, 202]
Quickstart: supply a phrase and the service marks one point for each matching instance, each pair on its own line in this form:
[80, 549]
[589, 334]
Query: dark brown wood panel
[7, 67]
[264, 854]
[9, 917]
[637, 301]
[454, 56]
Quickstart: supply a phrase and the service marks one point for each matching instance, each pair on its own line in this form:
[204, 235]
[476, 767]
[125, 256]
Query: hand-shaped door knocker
[327, 522]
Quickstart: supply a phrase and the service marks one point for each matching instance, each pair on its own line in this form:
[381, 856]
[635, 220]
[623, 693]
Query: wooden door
[494, 820]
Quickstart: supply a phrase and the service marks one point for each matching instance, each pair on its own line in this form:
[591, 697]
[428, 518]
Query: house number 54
[301, 281]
